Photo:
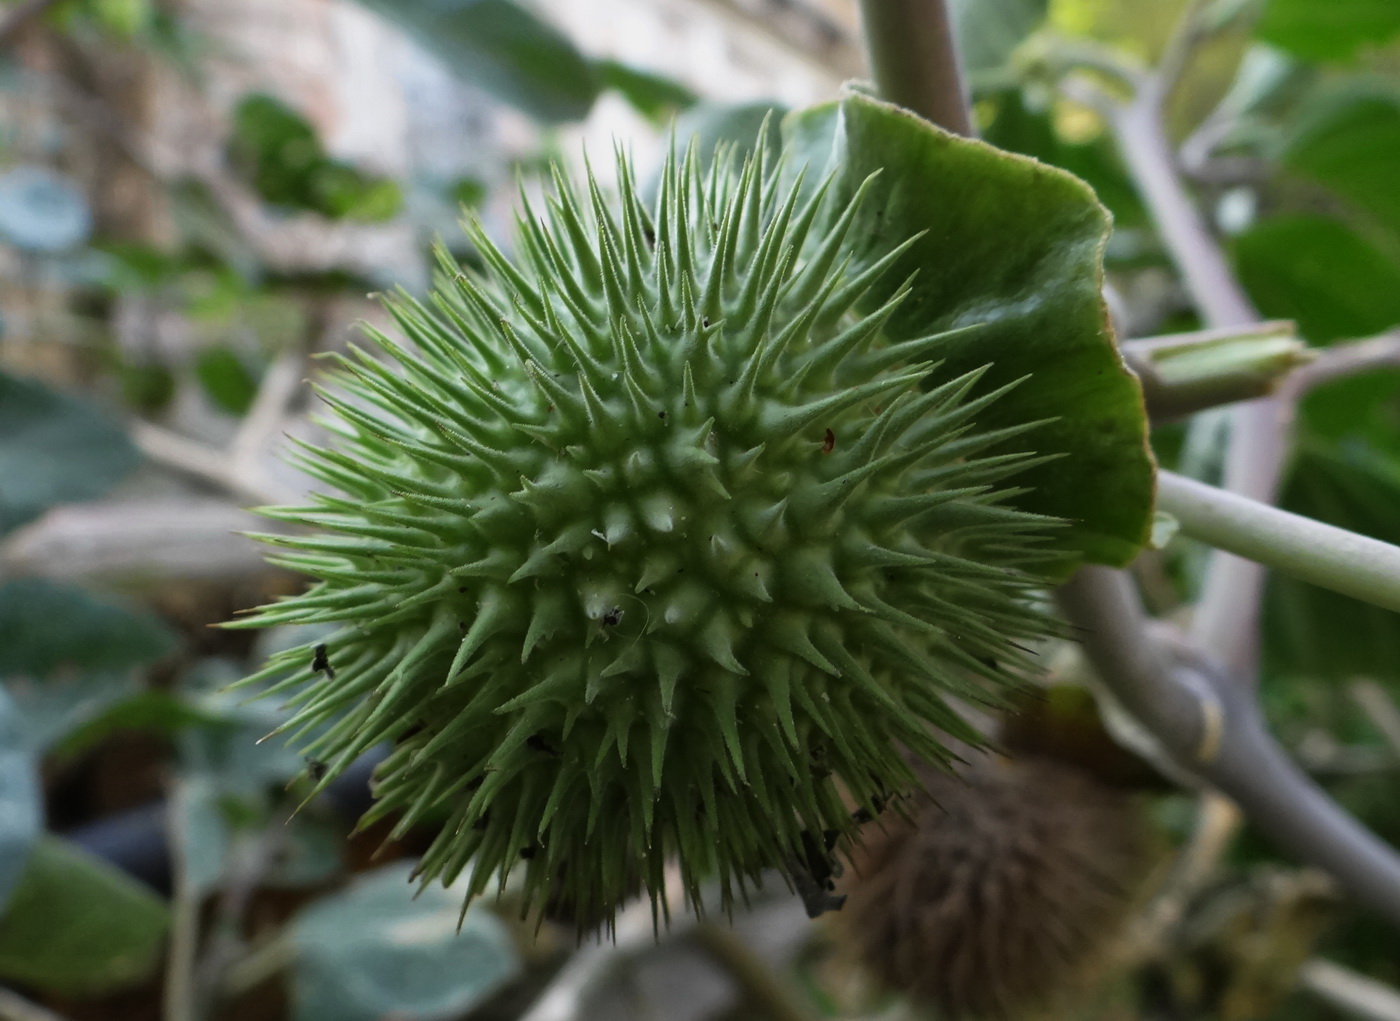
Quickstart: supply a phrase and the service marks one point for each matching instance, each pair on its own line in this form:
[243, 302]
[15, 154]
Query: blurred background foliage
[197, 196]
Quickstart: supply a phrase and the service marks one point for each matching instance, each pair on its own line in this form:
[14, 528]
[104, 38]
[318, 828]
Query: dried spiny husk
[1002, 890]
[641, 542]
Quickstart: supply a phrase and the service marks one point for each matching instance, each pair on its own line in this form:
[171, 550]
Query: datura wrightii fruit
[664, 537]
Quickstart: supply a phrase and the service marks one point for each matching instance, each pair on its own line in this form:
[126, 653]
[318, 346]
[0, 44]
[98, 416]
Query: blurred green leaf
[47, 627]
[230, 752]
[207, 822]
[126, 18]
[67, 657]
[467, 191]
[77, 926]
[277, 152]
[1349, 142]
[1328, 29]
[147, 386]
[503, 48]
[54, 449]
[150, 711]
[1314, 632]
[654, 96]
[374, 951]
[989, 30]
[1321, 273]
[226, 379]
[21, 812]
[707, 125]
[312, 853]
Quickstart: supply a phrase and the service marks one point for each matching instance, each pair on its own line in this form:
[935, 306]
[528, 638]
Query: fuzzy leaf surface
[1016, 245]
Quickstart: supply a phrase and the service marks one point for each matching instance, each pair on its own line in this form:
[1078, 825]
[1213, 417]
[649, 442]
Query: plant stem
[1190, 372]
[1331, 557]
[1345, 990]
[1213, 727]
[1338, 361]
[914, 60]
[766, 991]
[1227, 613]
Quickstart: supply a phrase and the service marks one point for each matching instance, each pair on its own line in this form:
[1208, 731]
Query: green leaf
[277, 152]
[377, 950]
[1328, 29]
[1321, 273]
[46, 627]
[21, 813]
[206, 820]
[654, 96]
[1313, 632]
[1017, 246]
[1349, 142]
[54, 449]
[77, 926]
[989, 30]
[226, 379]
[707, 125]
[1032, 133]
[66, 658]
[156, 712]
[503, 48]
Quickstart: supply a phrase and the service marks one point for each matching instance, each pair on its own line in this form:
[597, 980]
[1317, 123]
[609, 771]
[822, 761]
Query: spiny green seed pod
[1002, 893]
[648, 541]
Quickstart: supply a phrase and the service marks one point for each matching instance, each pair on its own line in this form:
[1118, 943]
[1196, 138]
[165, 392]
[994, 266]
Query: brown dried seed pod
[1001, 891]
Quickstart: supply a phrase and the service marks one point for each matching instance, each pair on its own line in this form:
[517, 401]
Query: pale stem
[766, 990]
[1339, 361]
[1344, 989]
[1213, 728]
[914, 60]
[1190, 372]
[1334, 558]
[1227, 615]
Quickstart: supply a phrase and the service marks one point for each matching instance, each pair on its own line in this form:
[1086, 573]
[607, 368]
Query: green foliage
[989, 30]
[226, 379]
[1026, 262]
[374, 951]
[1349, 142]
[651, 527]
[1321, 273]
[54, 449]
[654, 96]
[1333, 30]
[502, 47]
[77, 926]
[50, 628]
[278, 153]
